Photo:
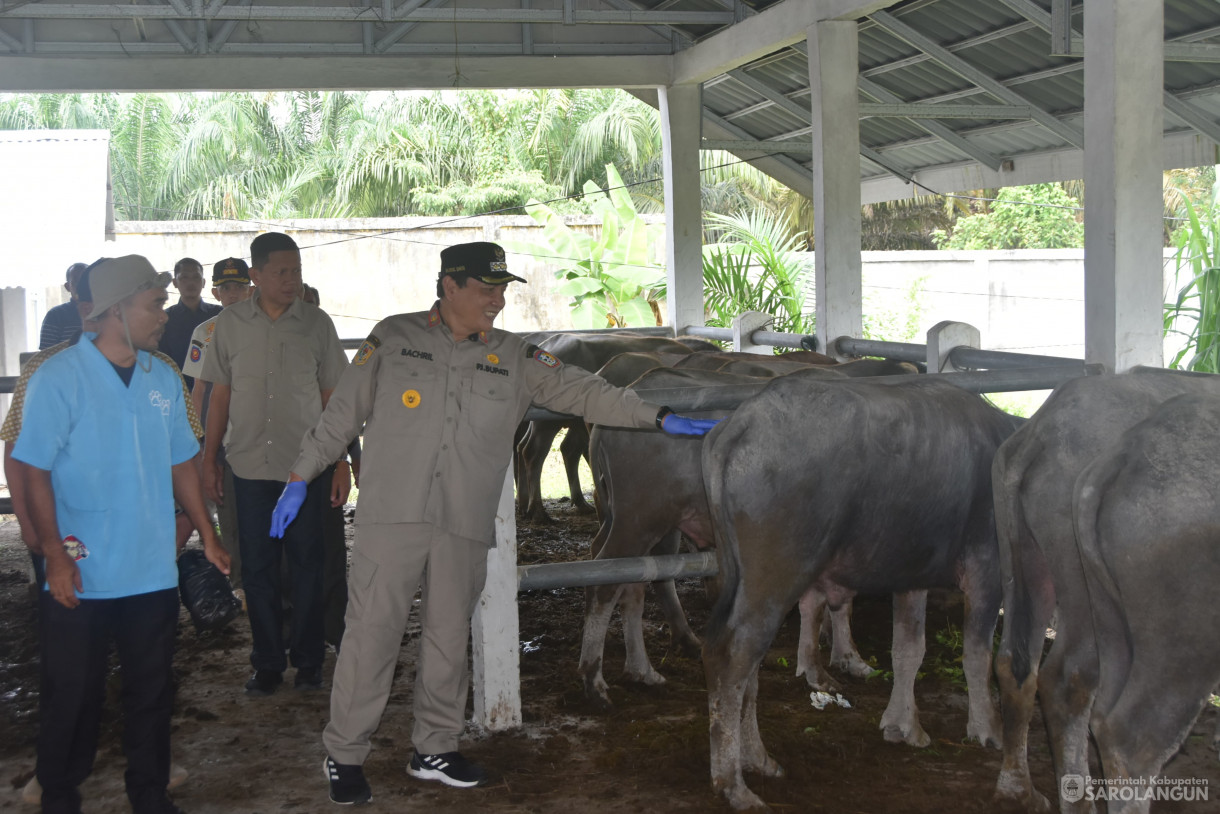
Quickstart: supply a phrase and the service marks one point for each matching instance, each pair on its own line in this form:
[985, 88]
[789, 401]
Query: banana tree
[610, 277]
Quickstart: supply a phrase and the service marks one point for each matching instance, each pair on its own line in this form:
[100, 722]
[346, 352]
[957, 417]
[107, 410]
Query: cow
[1147, 519]
[642, 515]
[1035, 477]
[894, 485]
[647, 507]
[591, 352]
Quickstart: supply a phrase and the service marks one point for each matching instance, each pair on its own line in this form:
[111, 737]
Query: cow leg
[682, 639]
[844, 656]
[808, 656]
[730, 661]
[631, 609]
[599, 605]
[575, 445]
[754, 757]
[982, 610]
[900, 723]
[534, 449]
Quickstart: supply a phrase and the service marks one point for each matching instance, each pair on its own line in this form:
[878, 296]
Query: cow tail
[715, 462]
[1017, 548]
[603, 491]
[1087, 498]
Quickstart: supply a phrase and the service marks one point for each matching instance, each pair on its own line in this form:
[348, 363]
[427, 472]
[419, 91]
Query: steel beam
[968, 71]
[349, 14]
[923, 110]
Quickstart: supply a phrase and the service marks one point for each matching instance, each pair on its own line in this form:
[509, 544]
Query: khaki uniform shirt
[277, 372]
[200, 339]
[439, 418]
[12, 420]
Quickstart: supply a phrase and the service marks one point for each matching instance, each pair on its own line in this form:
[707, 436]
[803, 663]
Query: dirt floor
[649, 754]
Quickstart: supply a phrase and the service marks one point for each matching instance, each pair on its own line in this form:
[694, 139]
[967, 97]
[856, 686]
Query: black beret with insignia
[482, 260]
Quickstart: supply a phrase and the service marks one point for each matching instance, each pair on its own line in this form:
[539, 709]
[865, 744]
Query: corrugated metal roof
[766, 100]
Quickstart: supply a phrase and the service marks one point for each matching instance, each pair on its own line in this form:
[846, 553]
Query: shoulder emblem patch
[545, 358]
[196, 353]
[366, 350]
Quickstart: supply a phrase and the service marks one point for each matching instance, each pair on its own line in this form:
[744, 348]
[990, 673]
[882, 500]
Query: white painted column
[12, 336]
[833, 64]
[681, 120]
[1123, 85]
[494, 628]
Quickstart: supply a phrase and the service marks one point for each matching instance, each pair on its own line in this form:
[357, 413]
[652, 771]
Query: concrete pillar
[495, 630]
[13, 340]
[1123, 86]
[833, 64]
[681, 119]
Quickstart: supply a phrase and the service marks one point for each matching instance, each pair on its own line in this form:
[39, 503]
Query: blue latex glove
[287, 506]
[674, 424]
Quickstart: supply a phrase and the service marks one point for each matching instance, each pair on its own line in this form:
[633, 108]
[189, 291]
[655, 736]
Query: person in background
[63, 323]
[107, 405]
[273, 363]
[187, 314]
[442, 392]
[230, 285]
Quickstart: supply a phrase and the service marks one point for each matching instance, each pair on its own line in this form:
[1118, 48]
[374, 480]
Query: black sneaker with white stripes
[450, 768]
[347, 784]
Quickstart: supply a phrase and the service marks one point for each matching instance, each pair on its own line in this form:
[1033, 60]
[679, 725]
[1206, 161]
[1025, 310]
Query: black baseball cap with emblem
[482, 261]
[230, 270]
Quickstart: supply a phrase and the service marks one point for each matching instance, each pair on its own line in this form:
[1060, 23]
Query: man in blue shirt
[109, 448]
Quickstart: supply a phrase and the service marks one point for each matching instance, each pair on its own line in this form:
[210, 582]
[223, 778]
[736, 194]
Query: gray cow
[1036, 474]
[895, 486]
[590, 352]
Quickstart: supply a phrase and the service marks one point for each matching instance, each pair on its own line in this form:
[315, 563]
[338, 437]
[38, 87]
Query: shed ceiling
[955, 94]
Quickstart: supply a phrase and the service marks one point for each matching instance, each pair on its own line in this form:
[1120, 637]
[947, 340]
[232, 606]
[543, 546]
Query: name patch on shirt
[417, 354]
[499, 371]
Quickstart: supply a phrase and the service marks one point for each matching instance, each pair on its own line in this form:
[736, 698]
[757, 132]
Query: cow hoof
[597, 691]
[768, 768]
[915, 737]
[537, 514]
[819, 680]
[742, 799]
[853, 666]
[583, 508]
[651, 678]
[687, 646]
[985, 735]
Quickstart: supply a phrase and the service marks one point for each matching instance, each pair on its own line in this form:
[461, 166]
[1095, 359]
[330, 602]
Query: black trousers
[261, 571]
[75, 646]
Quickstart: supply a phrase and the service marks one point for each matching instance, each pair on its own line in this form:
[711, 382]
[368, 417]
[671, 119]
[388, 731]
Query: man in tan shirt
[273, 363]
[439, 394]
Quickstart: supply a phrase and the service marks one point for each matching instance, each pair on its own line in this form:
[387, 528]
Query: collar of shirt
[293, 310]
[434, 319]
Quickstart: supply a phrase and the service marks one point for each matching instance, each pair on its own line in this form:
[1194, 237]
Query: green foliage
[611, 278]
[1039, 216]
[890, 323]
[756, 266]
[1195, 315]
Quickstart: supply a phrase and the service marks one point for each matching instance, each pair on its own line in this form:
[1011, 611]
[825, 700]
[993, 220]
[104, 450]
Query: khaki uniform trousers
[388, 563]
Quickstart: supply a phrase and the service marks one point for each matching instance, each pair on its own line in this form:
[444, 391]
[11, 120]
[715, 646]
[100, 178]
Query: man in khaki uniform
[273, 362]
[439, 394]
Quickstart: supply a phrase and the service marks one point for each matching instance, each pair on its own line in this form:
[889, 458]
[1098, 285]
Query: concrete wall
[367, 269]
[1027, 300]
